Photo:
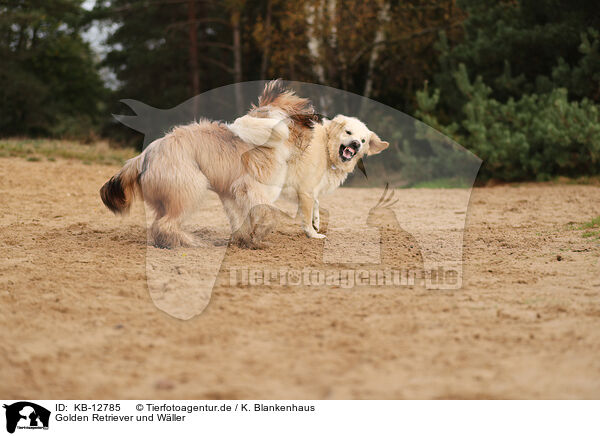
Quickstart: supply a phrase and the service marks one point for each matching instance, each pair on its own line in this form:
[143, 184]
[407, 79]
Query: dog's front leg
[240, 223]
[306, 206]
[316, 217]
[262, 222]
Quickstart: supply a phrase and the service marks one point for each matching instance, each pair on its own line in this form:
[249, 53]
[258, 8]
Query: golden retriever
[334, 150]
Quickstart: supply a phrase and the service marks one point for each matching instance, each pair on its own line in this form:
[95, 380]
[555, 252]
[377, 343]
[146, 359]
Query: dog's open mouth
[347, 152]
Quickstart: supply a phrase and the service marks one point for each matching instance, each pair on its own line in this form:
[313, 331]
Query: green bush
[525, 120]
[537, 136]
[522, 89]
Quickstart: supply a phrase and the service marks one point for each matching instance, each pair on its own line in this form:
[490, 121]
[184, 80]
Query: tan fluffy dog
[244, 163]
[335, 148]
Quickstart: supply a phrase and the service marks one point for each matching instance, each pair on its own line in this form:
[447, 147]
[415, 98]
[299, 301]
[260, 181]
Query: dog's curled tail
[118, 193]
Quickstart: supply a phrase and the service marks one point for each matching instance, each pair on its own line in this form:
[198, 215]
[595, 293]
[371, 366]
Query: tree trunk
[314, 16]
[291, 66]
[193, 53]
[333, 68]
[264, 66]
[34, 37]
[237, 58]
[21, 37]
[383, 17]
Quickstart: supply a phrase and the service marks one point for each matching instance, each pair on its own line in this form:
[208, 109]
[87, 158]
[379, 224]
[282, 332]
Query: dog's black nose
[355, 145]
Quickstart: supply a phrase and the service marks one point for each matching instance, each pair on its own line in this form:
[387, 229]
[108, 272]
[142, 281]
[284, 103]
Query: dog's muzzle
[348, 151]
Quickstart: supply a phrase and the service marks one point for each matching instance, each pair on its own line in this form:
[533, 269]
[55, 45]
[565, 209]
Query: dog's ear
[376, 145]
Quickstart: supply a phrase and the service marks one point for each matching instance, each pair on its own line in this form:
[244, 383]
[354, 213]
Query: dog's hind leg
[167, 233]
[166, 229]
[316, 216]
[173, 189]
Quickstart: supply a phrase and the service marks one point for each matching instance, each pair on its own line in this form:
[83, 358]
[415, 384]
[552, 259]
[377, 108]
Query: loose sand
[78, 320]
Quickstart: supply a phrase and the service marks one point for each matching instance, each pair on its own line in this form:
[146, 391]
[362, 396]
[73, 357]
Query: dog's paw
[311, 233]
[258, 244]
[241, 240]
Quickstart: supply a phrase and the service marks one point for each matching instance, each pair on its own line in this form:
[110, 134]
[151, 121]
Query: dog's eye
[363, 141]
[348, 132]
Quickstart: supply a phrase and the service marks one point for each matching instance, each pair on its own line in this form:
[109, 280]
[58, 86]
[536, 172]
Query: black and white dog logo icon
[26, 415]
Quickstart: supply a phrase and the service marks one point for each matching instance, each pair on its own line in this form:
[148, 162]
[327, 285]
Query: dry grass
[52, 149]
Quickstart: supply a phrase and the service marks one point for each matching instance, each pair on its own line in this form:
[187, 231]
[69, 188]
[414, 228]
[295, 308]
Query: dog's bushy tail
[118, 193]
[298, 109]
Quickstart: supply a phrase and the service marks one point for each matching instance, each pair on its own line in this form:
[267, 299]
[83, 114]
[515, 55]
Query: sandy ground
[78, 321]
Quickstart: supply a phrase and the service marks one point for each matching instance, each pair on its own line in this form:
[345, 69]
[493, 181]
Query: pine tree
[522, 90]
[50, 83]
